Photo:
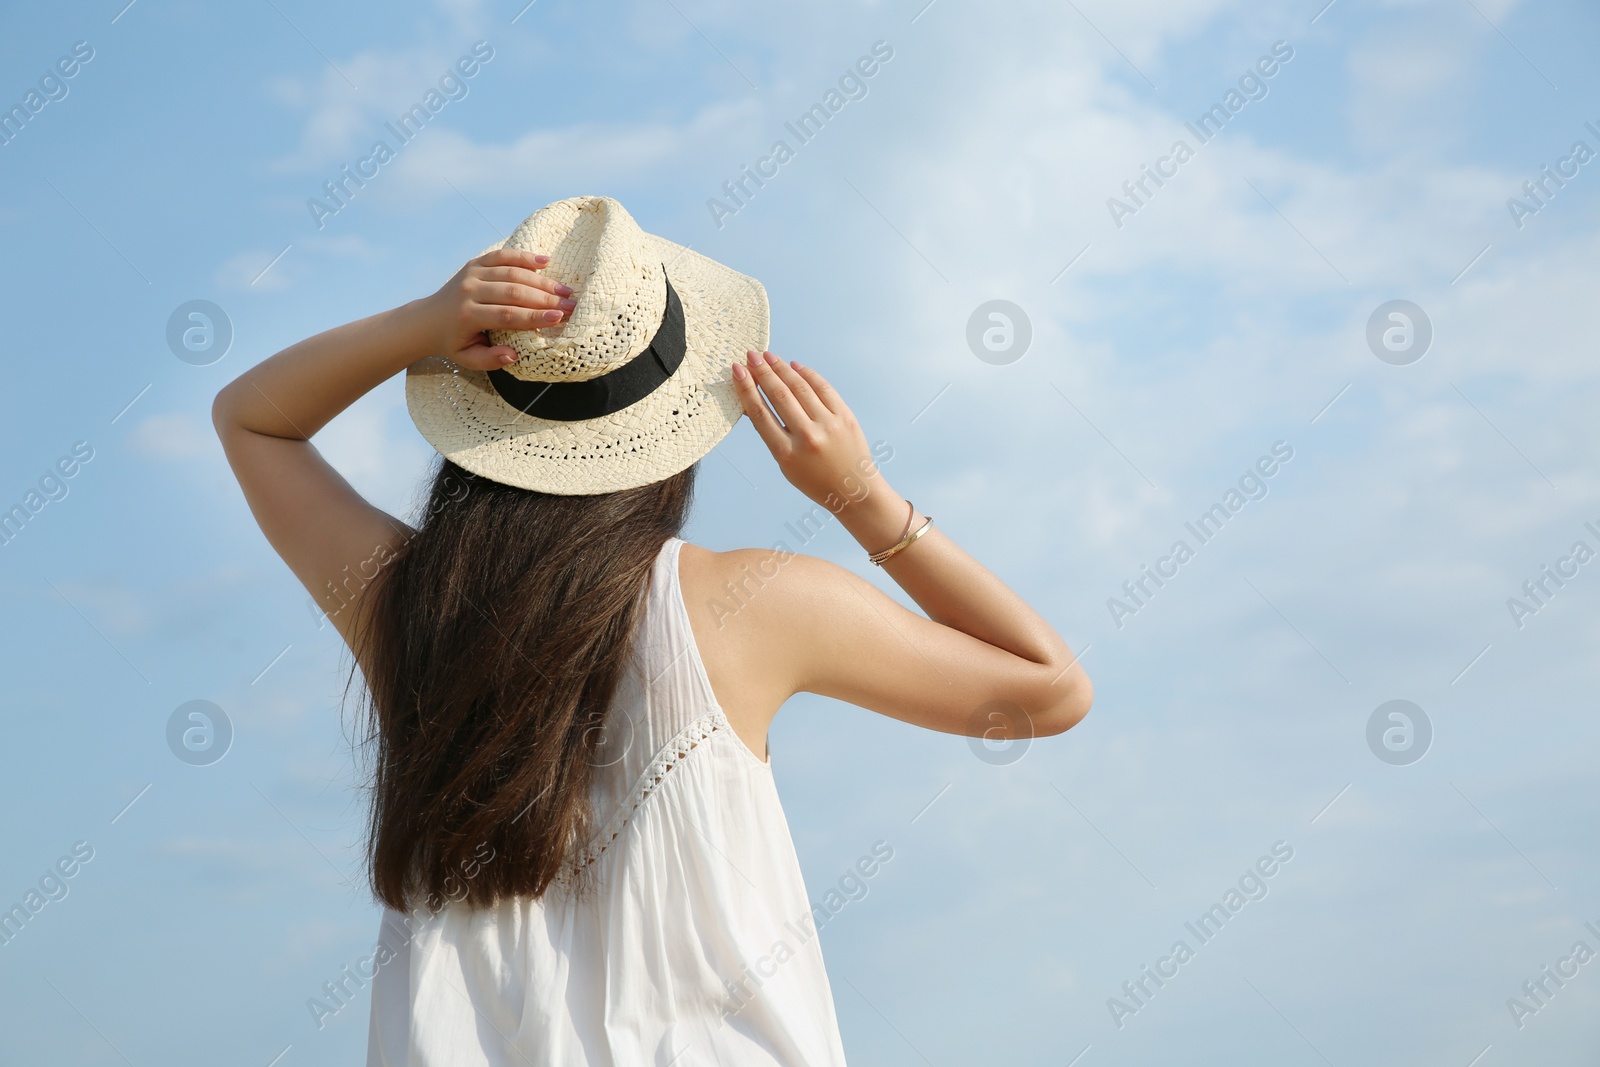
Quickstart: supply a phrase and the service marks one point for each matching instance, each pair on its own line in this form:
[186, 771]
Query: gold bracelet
[881, 559]
[878, 558]
[911, 513]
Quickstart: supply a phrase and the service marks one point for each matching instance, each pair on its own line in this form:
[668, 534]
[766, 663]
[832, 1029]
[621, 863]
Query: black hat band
[610, 392]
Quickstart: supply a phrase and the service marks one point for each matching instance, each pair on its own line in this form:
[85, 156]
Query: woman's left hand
[499, 290]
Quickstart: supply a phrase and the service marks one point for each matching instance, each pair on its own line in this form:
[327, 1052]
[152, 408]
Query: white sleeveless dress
[697, 946]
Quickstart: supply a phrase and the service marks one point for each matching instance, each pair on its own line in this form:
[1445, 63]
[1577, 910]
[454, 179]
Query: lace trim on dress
[671, 755]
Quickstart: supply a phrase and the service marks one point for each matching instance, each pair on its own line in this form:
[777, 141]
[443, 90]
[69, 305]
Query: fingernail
[552, 316]
[563, 290]
[507, 358]
[739, 372]
[772, 359]
[568, 305]
[751, 358]
[795, 364]
[542, 259]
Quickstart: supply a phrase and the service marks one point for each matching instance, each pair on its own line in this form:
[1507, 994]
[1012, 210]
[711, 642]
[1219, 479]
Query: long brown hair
[492, 644]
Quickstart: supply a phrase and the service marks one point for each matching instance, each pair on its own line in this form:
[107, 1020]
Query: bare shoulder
[756, 586]
[746, 606]
[734, 596]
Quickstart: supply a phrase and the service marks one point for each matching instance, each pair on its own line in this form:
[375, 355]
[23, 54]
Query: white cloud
[112, 604]
[174, 436]
[584, 152]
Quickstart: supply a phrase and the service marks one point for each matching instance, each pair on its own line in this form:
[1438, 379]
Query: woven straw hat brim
[458, 411]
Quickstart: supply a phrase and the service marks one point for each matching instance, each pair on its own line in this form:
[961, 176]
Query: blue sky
[1227, 313]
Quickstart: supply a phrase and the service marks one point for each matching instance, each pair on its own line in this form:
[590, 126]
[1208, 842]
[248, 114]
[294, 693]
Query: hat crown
[619, 285]
[493, 426]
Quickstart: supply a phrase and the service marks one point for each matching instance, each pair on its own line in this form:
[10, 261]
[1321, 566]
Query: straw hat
[632, 388]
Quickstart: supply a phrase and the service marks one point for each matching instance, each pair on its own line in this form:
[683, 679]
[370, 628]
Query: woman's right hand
[980, 661]
[818, 444]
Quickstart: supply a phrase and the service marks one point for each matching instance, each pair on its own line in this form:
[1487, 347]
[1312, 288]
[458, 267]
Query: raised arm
[982, 663]
[327, 534]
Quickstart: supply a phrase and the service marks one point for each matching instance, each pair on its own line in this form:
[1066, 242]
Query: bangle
[906, 538]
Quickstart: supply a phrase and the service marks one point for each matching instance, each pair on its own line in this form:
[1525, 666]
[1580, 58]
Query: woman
[580, 855]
